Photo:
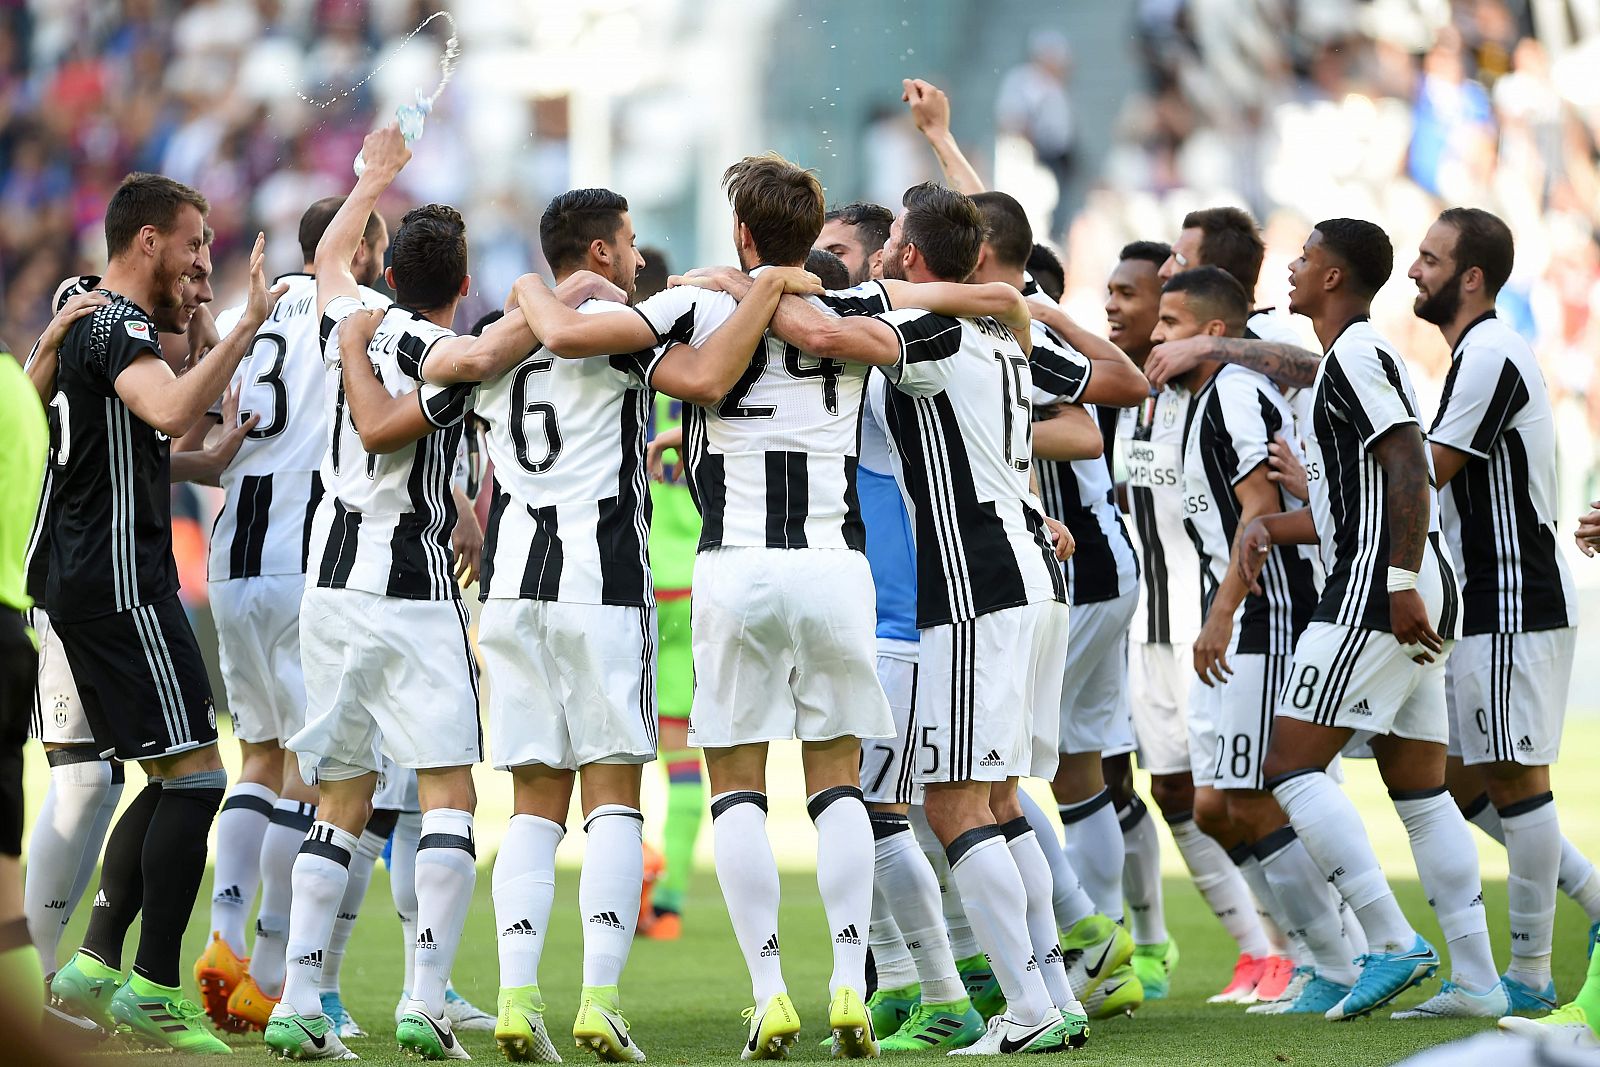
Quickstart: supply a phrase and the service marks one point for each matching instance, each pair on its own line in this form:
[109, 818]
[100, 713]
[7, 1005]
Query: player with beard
[112, 590]
[1494, 459]
[856, 233]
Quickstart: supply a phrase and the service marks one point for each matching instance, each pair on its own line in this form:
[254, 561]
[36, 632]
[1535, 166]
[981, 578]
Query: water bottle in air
[410, 117]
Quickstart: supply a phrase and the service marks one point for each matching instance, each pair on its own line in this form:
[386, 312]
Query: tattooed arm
[1288, 365]
[1400, 452]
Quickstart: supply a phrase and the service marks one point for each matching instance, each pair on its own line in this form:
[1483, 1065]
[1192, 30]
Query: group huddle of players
[1014, 549]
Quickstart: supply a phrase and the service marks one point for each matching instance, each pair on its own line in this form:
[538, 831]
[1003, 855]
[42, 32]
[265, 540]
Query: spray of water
[447, 65]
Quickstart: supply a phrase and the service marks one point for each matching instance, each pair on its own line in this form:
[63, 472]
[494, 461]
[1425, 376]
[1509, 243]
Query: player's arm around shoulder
[1066, 432]
[703, 372]
[385, 423]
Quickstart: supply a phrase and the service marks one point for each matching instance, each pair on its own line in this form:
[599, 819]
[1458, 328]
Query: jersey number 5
[522, 410]
[1018, 411]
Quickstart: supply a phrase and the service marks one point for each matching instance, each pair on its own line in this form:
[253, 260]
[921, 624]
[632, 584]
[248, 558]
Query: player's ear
[1472, 279]
[466, 285]
[388, 277]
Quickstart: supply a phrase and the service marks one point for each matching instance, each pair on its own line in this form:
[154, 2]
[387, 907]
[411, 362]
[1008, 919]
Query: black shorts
[19, 666]
[144, 686]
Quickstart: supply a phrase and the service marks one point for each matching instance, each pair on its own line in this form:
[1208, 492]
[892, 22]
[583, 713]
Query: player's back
[571, 513]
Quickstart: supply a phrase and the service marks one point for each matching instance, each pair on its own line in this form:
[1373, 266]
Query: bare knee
[1511, 783]
[1173, 793]
[1211, 815]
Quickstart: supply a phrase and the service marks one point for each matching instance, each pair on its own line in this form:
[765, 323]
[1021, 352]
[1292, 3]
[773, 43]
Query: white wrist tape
[1401, 579]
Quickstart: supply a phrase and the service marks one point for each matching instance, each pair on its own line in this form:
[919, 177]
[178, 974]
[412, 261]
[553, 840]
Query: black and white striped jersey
[570, 518]
[109, 520]
[1266, 324]
[1080, 493]
[1499, 512]
[1231, 421]
[1361, 392]
[384, 522]
[1151, 438]
[960, 415]
[271, 489]
[773, 463]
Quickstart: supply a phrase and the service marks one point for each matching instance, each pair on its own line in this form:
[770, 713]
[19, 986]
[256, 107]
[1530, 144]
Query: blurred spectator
[1033, 104]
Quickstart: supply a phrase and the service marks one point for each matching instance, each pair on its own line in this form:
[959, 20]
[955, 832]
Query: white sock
[1447, 863]
[369, 847]
[403, 890]
[1354, 935]
[524, 891]
[1574, 876]
[749, 878]
[62, 835]
[1221, 885]
[1141, 874]
[280, 847]
[241, 824]
[95, 842]
[892, 960]
[1533, 849]
[1285, 943]
[608, 890]
[1067, 896]
[905, 882]
[1332, 832]
[963, 943]
[1092, 840]
[1301, 896]
[844, 839]
[996, 902]
[447, 871]
[1034, 870]
[321, 871]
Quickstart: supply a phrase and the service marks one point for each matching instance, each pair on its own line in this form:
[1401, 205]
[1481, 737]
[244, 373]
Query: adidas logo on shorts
[771, 947]
[847, 936]
[607, 918]
[992, 760]
[310, 959]
[1525, 743]
[1361, 709]
[520, 927]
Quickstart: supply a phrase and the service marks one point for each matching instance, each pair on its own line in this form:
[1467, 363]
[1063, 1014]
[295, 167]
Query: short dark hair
[146, 200]
[487, 321]
[1484, 241]
[871, 222]
[576, 219]
[652, 277]
[829, 267]
[1010, 234]
[1048, 274]
[1213, 293]
[781, 204]
[946, 227]
[314, 223]
[1365, 249]
[429, 257]
[1229, 239]
[1153, 252]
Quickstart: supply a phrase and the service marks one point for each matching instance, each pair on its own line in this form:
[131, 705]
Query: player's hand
[233, 431]
[719, 278]
[74, 309]
[466, 541]
[385, 151]
[930, 107]
[1174, 359]
[1408, 620]
[1285, 468]
[356, 331]
[796, 280]
[655, 455]
[261, 300]
[1061, 538]
[583, 285]
[1588, 532]
[1254, 544]
[1211, 649]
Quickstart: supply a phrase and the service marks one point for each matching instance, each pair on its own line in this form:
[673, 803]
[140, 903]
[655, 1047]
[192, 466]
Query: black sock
[174, 867]
[121, 880]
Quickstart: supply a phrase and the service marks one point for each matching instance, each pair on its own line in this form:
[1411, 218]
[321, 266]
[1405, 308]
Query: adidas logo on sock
[607, 918]
[1361, 709]
[771, 947]
[992, 760]
[847, 936]
[1033, 963]
[521, 927]
[425, 940]
[229, 894]
[1525, 744]
[1054, 955]
[100, 900]
[310, 959]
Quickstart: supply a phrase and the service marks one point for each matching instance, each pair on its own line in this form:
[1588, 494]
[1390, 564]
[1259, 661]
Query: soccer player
[112, 595]
[257, 576]
[1372, 659]
[856, 234]
[1494, 457]
[383, 635]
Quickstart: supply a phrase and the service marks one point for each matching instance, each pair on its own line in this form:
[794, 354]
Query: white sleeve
[928, 345]
[327, 330]
[1365, 385]
[1482, 392]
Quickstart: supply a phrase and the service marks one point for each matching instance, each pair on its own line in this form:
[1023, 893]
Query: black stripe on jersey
[325, 330]
[855, 528]
[623, 527]
[311, 515]
[1092, 570]
[1058, 579]
[1056, 374]
[446, 408]
[1355, 592]
[254, 503]
[541, 577]
[409, 353]
[849, 302]
[1450, 612]
[339, 556]
[498, 502]
[419, 557]
[707, 479]
[788, 492]
[1152, 553]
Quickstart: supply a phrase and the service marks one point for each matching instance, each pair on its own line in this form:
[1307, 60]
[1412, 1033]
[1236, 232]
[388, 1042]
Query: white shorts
[1366, 681]
[58, 717]
[385, 676]
[782, 643]
[1230, 725]
[1159, 677]
[569, 684]
[1094, 690]
[886, 764]
[983, 687]
[1508, 696]
[397, 788]
[258, 647]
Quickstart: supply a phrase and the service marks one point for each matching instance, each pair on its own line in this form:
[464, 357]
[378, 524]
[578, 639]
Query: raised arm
[384, 423]
[930, 110]
[1067, 433]
[41, 364]
[573, 335]
[1115, 381]
[172, 403]
[385, 153]
[1289, 365]
[703, 374]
